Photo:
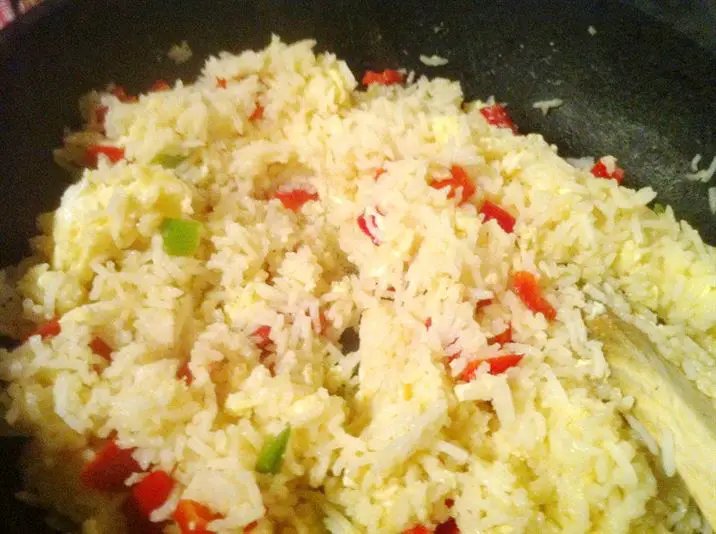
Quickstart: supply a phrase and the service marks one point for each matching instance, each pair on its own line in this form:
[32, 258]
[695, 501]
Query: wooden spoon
[665, 401]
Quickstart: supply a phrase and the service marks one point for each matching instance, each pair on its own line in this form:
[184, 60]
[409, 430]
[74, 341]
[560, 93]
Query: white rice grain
[545, 106]
[667, 452]
[433, 61]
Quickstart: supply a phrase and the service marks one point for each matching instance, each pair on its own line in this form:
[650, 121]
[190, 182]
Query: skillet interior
[637, 89]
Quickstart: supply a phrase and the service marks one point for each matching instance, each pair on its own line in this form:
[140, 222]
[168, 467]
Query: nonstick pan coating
[637, 89]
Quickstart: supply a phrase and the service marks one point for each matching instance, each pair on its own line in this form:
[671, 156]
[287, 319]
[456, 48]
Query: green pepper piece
[271, 454]
[169, 161]
[181, 236]
[658, 208]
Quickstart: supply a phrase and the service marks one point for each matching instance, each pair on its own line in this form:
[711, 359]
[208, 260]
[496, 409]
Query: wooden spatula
[665, 401]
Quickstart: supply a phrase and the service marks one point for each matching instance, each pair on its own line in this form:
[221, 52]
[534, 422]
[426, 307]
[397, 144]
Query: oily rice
[326, 208]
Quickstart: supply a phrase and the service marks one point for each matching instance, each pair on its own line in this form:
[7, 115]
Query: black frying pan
[639, 89]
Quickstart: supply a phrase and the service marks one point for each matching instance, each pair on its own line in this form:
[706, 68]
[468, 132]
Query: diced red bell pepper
[109, 469]
[387, 77]
[484, 303]
[113, 153]
[468, 373]
[193, 517]
[257, 113]
[449, 502]
[500, 364]
[261, 336]
[502, 338]
[184, 373]
[504, 219]
[47, 330]
[250, 527]
[221, 83]
[458, 179]
[122, 95]
[160, 86]
[451, 357]
[295, 198]
[152, 491]
[526, 286]
[264, 343]
[363, 225]
[323, 323]
[378, 173]
[100, 114]
[100, 348]
[428, 322]
[137, 522]
[497, 116]
[600, 171]
[417, 529]
[497, 365]
[448, 527]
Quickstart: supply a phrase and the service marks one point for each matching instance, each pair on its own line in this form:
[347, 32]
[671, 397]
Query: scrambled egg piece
[112, 209]
[444, 128]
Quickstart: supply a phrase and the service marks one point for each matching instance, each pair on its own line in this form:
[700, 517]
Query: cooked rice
[643, 434]
[586, 163]
[546, 105]
[702, 175]
[694, 165]
[180, 53]
[667, 452]
[382, 436]
[433, 61]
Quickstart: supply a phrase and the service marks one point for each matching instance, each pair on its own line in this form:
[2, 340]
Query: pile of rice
[386, 437]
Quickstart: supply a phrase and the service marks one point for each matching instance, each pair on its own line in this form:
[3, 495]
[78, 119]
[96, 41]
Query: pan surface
[637, 89]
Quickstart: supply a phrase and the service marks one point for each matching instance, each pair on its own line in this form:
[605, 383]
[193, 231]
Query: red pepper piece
[468, 373]
[428, 322]
[100, 114]
[458, 179]
[122, 95]
[152, 491]
[378, 173]
[387, 77]
[109, 469]
[221, 83]
[363, 225]
[183, 373]
[498, 365]
[137, 522]
[100, 348]
[47, 330]
[323, 323]
[449, 502]
[261, 336]
[193, 517]
[448, 527]
[295, 198]
[600, 171]
[502, 337]
[497, 116]
[418, 529]
[250, 527]
[526, 286]
[484, 303]
[113, 153]
[160, 86]
[504, 219]
[257, 113]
